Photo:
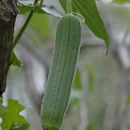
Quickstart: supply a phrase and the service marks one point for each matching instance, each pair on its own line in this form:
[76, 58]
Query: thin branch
[25, 24]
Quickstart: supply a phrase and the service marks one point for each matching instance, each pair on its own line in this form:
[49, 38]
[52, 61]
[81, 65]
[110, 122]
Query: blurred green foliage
[128, 100]
[122, 1]
[77, 80]
[90, 127]
[41, 24]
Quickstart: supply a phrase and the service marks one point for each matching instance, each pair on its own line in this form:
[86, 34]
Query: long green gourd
[62, 72]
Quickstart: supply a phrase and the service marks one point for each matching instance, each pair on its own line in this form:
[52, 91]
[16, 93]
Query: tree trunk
[8, 12]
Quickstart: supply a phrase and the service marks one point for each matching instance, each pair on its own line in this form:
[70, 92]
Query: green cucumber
[62, 72]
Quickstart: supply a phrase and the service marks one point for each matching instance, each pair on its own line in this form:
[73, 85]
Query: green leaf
[25, 6]
[24, 9]
[20, 127]
[92, 18]
[122, 1]
[45, 9]
[14, 60]
[63, 3]
[11, 116]
[26, 2]
[51, 10]
[2, 108]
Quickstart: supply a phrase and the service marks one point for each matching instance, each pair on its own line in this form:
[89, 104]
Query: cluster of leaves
[86, 8]
[11, 120]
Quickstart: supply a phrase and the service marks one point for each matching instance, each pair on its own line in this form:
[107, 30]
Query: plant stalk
[26, 23]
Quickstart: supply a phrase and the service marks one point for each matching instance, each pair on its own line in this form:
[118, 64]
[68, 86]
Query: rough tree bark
[8, 12]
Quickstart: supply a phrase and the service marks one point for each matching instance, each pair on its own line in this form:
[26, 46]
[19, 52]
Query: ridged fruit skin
[62, 72]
